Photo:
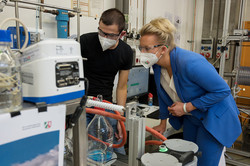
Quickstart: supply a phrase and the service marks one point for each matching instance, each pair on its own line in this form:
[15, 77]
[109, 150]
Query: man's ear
[123, 33]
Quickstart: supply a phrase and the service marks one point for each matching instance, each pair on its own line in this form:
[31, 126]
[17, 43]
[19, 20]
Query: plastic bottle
[100, 128]
[150, 99]
[10, 82]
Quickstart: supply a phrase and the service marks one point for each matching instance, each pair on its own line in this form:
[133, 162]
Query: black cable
[72, 120]
[86, 84]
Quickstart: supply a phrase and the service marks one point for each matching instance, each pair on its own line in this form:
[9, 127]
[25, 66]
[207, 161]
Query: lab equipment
[14, 37]
[51, 70]
[62, 23]
[137, 82]
[207, 47]
[100, 128]
[173, 152]
[244, 76]
[220, 49]
[10, 82]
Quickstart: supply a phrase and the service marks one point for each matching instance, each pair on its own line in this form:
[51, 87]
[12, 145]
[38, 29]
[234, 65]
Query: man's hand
[119, 134]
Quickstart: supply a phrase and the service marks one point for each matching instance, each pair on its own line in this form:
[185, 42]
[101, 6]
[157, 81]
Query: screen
[206, 41]
[137, 81]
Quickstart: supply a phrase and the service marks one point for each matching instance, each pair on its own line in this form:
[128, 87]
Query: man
[106, 55]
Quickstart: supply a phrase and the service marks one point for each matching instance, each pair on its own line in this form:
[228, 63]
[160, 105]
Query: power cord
[73, 119]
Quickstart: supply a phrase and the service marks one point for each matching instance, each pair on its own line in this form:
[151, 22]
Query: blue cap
[5, 36]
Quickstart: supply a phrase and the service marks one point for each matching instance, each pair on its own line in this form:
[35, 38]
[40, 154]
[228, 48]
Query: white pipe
[113, 107]
[25, 31]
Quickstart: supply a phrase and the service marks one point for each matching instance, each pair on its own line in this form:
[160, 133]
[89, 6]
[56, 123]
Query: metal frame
[135, 124]
[224, 36]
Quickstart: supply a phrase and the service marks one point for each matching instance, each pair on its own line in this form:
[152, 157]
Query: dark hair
[113, 16]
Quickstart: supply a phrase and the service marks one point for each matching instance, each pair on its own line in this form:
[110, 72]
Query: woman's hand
[176, 109]
[161, 127]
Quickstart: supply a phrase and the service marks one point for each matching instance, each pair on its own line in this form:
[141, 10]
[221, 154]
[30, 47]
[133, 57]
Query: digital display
[137, 81]
[206, 41]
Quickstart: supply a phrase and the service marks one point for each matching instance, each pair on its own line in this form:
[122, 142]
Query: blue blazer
[197, 81]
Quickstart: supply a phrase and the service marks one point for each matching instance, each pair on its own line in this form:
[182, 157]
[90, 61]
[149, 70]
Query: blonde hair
[163, 29]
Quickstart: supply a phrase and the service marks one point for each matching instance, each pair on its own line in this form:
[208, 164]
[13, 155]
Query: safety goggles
[147, 49]
[108, 35]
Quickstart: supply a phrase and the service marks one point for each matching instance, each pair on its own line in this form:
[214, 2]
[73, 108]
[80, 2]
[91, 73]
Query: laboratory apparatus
[50, 71]
[100, 128]
[14, 44]
[220, 49]
[173, 152]
[207, 47]
[10, 82]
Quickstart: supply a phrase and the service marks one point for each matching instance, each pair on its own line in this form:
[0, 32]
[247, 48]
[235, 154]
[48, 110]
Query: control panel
[218, 50]
[67, 74]
[207, 47]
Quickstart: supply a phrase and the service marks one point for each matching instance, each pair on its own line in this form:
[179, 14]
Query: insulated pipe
[156, 133]
[153, 142]
[120, 118]
[111, 115]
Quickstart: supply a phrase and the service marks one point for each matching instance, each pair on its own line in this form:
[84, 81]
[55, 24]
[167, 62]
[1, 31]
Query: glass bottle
[100, 128]
[10, 81]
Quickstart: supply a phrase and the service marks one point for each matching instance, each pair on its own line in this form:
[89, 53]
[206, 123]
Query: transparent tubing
[25, 30]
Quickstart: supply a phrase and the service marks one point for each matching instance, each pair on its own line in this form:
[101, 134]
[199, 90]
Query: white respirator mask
[149, 59]
[106, 43]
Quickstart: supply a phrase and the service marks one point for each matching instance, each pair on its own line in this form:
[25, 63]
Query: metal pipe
[229, 74]
[237, 57]
[224, 36]
[45, 5]
[212, 19]
[20, 6]
[17, 26]
[78, 20]
[40, 16]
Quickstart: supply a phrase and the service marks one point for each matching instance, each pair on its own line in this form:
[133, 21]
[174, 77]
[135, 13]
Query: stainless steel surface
[238, 38]
[45, 5]
[229, 74]
[239, 152]
[80, 141]
[236, 163]
[224, 36]
[78, 20]
[20, 6]
[40, 16]
[17, 25]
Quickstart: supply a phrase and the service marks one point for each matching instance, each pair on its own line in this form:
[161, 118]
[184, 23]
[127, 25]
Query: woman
[190, 92]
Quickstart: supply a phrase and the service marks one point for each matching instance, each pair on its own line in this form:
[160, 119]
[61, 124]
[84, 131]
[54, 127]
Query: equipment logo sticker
[47, 124]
